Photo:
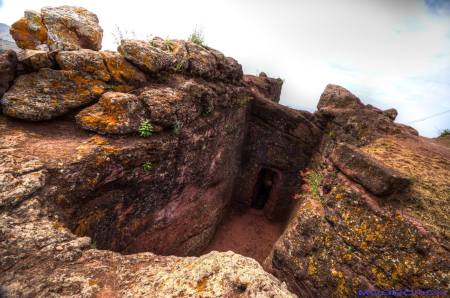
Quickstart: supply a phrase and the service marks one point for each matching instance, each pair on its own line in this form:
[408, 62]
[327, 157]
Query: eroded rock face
[219, 139]
[373, 175]
[391, 113]
[342, 238]
[175, 47]
[168, 105]
[58, 28]
[124, 76]
[115, 113]
[49, 93]
[29, 32]
[211, 64]
[8, 64]
[33, 60]
[72, 28]
[346, 119]
[265, 86]
[86, 61]
[180, 56]
[336, 97]
[148, 58]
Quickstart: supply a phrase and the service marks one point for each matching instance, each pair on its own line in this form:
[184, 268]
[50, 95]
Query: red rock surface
[248, 233]
[83, 214]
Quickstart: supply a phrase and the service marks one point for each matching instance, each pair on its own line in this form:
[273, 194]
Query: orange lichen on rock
[125, 75]
[115, 113]
[29, 32]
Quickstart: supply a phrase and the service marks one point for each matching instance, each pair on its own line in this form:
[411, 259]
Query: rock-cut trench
[248, 231]
[225, 182]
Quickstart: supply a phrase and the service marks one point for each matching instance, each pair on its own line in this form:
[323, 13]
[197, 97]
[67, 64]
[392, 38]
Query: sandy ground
[250, 234]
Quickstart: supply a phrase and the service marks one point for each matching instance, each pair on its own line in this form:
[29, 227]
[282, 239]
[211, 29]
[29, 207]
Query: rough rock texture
[33, 60]
[114, 113]
[265, 86]
[148, 58]
[391, 113]
[175, 47]
[342, 238]
[29, 32]
[372, 174]
[211, 64]
[124, 76]
[72, 28]
[58, 28]
[219, 139]
[49, 93]
[180, 56]
[40, 257]
[98, 187]
[8, 64]
[274, 135]
[86, 61]
[346, 119]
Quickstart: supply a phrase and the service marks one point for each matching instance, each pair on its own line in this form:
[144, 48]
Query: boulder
[346, 119]
[211, 64]
[29, 32]
[168, 106]
[391, 113]
[33, 60]
[180, 56]
[148, 58]
[58, 28]
[49, 93]
[123, 73]
[201, 61]
[336, 97]
[72, 28]
[228, 68]
[86, 61]
[264, 86]
[175, 47]
[370, 173]
[115, 113]
[8, 64]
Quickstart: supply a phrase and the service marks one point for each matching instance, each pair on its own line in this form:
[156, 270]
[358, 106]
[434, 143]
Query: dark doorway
[263, 188]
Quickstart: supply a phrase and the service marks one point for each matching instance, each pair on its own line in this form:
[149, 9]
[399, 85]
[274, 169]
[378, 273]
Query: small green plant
[147, 166]
[168, 44]
[243, 101]
[177, 126]
[332, 134]
[180, 65]
[445, 132]
[93, 244]
[145, 129]
[197, 37]
[314, 181]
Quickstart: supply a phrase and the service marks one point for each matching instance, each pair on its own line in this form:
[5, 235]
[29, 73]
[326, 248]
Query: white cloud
[390, 53]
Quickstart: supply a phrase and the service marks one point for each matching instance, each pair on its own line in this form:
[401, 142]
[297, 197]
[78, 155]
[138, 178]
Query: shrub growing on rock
[197, 37]
[146, 129]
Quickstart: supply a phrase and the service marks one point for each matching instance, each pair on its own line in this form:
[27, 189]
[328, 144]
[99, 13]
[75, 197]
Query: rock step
[370, 173]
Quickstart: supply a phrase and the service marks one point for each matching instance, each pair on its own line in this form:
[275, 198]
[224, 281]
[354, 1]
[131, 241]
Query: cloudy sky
[390, 53]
